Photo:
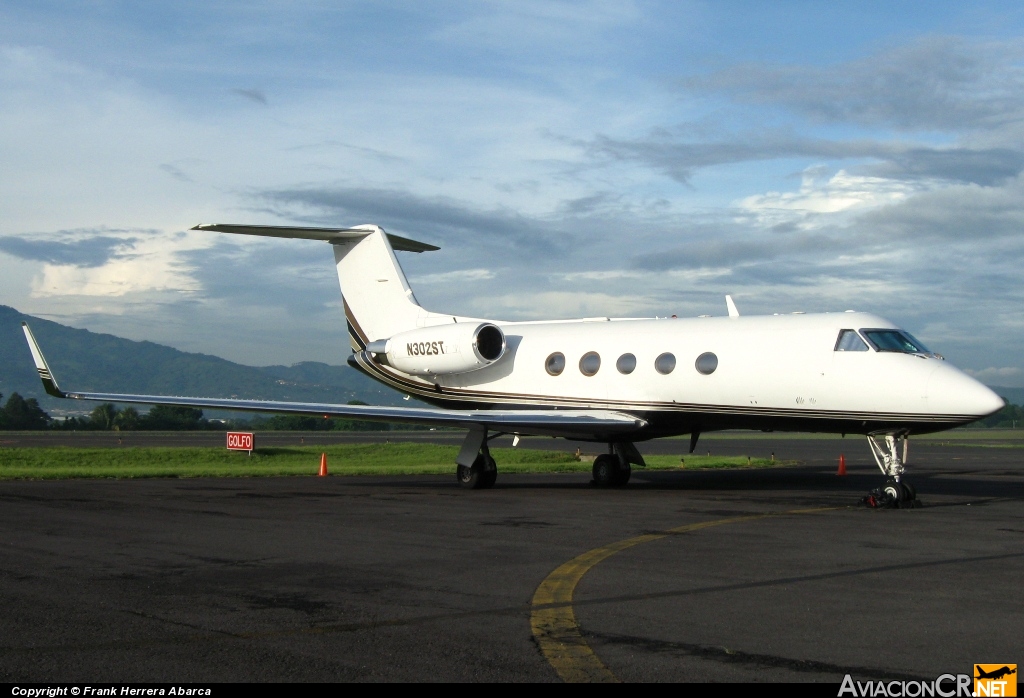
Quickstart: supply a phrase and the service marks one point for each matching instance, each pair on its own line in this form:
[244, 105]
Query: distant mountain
[88, 361]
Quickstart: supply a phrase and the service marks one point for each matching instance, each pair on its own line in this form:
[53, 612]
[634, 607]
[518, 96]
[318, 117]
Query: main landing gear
[613, 469]
[896, 492]
[476, 469]
[479, 476]
[609, 471]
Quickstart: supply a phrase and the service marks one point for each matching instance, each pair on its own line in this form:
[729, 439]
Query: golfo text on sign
[239, 441]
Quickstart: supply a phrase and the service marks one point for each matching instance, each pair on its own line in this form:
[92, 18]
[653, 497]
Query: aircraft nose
[961, 394]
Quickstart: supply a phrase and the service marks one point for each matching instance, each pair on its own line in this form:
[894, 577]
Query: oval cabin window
[706, 363]
[590, 363]
[626, 363]
[555, 363]
[665, 364]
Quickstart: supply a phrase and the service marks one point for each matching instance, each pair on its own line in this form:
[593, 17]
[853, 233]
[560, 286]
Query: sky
[570, 159]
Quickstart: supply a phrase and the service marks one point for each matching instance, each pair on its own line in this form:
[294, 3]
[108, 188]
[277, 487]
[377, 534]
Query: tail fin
[378, 300]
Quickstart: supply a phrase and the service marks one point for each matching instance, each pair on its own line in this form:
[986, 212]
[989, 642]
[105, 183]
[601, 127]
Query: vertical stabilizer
[378, 300]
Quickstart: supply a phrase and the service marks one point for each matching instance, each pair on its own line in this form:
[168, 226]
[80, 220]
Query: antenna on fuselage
[732, 307]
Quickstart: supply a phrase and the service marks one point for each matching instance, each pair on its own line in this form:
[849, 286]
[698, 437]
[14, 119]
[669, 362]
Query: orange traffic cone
[323, 465]
[842, 465]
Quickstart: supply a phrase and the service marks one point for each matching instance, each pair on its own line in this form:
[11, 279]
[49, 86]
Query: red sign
[239, 441]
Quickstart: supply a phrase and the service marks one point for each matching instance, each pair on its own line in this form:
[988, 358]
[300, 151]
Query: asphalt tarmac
[414, 579]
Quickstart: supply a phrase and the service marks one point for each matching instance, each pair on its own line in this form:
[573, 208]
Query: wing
[567, 423]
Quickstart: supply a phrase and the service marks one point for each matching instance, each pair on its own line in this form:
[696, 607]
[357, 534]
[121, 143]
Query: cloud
[445, 218]
[88, 252]
[974, 90]
[175, 172]
[561, 304]
[894, 160]
[962, 213]
[987, 167]
[137, 264]
[251, 94]
[329, 144]
[457, 276]
[818, 199]
[993, 375]
[944, 83]
[545, 25]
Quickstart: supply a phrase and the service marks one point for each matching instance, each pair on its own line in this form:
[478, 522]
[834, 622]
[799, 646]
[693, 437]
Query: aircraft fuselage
[774, 372]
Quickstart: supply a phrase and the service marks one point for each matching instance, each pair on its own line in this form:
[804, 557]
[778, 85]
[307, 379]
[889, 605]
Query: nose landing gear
[896, 492]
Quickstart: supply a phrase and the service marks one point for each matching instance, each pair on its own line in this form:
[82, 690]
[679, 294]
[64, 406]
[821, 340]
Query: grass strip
[344, 459]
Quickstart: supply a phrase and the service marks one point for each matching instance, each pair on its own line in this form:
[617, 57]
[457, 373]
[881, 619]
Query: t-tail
[379, 302]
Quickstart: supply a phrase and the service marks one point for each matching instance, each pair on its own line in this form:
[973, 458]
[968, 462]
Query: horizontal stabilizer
[327, 234]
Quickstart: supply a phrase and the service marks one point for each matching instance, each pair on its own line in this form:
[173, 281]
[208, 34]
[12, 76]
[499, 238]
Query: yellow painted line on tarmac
[553, 620]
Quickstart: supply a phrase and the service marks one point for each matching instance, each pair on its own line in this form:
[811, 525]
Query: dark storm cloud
[942, 83]
[934, 84]
[985, 167]
[90, 252]
[962, 213]
[899, 161]
[439, 217]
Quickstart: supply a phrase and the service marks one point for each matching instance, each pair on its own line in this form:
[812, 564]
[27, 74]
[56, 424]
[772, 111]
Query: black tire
[894, 491]
[489, 477]
[622, 473]
[482, 474]
[605, 470]
[911, 492]
[468, 477]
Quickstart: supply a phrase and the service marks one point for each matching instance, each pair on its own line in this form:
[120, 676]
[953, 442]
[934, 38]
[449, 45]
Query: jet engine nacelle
[443, 349]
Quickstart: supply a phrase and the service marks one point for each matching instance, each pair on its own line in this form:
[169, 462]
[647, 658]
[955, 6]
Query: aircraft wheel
[467, 477]
[480, 476]
[622, 473]
[605, 470]
[489, 476]
[899, 492]
[894, 491]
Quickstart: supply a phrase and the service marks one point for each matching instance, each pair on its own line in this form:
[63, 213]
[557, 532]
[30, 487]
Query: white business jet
[616, 381]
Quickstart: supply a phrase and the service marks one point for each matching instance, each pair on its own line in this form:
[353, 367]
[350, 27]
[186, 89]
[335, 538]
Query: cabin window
[706, 363]
[849, 340]
[626, 363]
[590, 363]
[665, 364]
[894, 341]
[555, 363]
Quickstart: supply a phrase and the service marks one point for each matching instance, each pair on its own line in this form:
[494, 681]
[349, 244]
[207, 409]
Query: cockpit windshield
[895, 340]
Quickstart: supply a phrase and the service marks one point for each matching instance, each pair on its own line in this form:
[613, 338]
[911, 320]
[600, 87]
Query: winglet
[732, 307]
[49, 382]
